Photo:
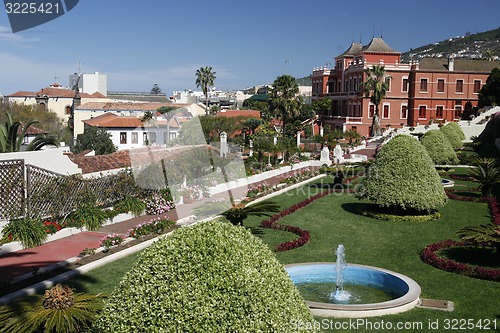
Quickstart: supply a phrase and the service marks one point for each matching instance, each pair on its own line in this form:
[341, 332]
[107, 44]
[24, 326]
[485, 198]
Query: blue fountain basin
[406, 292]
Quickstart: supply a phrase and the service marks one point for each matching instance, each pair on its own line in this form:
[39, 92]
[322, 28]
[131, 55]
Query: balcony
[343, 119]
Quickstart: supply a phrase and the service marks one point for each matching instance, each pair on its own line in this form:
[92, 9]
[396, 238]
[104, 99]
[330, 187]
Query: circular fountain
[353, 291]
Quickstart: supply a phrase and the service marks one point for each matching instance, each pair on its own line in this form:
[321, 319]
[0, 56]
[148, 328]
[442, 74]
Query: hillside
[483, 45]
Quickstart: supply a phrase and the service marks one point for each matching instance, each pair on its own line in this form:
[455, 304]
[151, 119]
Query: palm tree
[238, 213]
[375, 87]
[486, 173]
[205, 79]
[12, 135]
[482, 234]
[283, 99]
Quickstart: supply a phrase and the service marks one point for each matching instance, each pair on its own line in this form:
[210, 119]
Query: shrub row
[430, 256]
[403, 218]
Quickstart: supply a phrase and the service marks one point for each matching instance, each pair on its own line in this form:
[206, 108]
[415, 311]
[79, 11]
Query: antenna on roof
[79, 68]
[373, 32]
[340, 48]
[360, 38]
[381, 32]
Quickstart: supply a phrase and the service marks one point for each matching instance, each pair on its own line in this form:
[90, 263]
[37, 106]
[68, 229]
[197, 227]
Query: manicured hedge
[454, 134]
[212, 277]
[439, 148]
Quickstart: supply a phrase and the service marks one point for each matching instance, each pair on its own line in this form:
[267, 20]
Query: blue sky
[139, 43]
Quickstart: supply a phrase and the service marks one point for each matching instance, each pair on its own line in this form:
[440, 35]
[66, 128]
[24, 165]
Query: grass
[392, 245]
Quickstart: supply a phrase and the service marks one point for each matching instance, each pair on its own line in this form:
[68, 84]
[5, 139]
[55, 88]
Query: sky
[140, 43]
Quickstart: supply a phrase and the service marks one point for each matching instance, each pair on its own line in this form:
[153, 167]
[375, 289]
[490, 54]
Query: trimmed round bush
[404, 178]
[454, 134]
[212, 277]
[439, 148]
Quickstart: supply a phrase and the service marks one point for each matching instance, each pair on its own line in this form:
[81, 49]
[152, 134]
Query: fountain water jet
[400, 293]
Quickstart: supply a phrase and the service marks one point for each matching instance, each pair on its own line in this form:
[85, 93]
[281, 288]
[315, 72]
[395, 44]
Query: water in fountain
[340, 295]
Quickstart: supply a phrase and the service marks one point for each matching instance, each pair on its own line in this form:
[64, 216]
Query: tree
[486, 173]
[439, 147]
[12, 135]
[403, 178]
[95, 138]
[284, 101]
[454, 134]
[205, 79]
[211, 277]
[489, 95]
[252, 124]
[375, 87]
[168, 112]
[155, 90]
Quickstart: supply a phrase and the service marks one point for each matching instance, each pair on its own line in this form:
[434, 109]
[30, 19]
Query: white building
[90, 83]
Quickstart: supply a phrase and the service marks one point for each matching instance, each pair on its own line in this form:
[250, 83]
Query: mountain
[482, 45]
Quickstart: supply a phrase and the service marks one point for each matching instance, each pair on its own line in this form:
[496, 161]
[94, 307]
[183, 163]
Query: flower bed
[430, 256]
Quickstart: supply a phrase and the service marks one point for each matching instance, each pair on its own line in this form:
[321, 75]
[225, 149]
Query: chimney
[451, 64]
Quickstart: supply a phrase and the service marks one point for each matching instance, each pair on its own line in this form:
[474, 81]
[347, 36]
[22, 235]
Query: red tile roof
[112, 120]
[123, 106]
[124, 158]
[55, 92]
[237, 113]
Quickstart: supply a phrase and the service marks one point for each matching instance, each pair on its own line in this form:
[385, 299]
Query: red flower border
[304, 235]
[429, 254]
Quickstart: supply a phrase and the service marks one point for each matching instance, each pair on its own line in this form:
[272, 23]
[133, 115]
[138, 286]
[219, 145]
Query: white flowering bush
[404, 178]
[212, 277]
[157, 204]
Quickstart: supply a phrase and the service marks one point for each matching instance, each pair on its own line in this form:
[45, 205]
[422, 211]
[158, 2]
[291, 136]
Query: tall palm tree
[12, 135]
[205, 78]
[284, 100]
[168, 112]
[375, 87]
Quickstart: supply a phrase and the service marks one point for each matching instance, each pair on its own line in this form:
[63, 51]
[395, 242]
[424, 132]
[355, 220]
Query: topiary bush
[439, 148]
[403, 177]
[454, 134]
[212, 277]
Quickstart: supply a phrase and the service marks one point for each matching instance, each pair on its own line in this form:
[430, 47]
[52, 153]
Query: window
[439, 112]
[388, 83]
[152, 137]
[385, 113]
[355, 84]
[423, 85]
[477, 86]
[404, 111]
[422, 111]
[440, 87]
[145, 138]
[460, 86]
[372, 110]
[458, 112]
[135, 137]
[405, 84]
[123, 138]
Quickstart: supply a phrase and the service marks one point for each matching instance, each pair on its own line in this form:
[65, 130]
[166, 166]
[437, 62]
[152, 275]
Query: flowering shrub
[111, 240]
[51, 227]
[154, 226]
[430, 255]
[157, 205]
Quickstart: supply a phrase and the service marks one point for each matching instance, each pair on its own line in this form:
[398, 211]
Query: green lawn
[334, 219]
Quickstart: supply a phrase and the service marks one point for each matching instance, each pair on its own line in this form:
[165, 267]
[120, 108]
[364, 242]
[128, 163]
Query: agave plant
[488, 234]
[59, 310]
[238, 213]
[486, 173]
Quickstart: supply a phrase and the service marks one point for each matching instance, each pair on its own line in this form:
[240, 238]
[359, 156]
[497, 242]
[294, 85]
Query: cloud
[6, 34]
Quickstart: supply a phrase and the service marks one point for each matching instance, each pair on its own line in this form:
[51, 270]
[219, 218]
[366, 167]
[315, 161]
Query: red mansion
[433, 89]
